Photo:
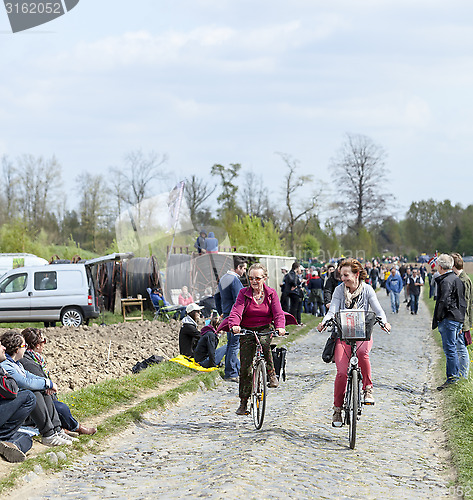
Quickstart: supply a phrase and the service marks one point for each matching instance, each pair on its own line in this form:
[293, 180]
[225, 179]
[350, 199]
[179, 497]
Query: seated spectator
[185, 298]
[157, 297]
[15, 407]
[189, 333]
[34, 362]
[44, 415]
[199, 244]
[211, 243]
[206, 352]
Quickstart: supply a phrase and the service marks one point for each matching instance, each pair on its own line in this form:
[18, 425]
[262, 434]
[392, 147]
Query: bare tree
[140, 171]
[297, 209]
[9, 189]
[94, 205]
[360, 176]
[39, 181]
[197, 192]
[255, 197]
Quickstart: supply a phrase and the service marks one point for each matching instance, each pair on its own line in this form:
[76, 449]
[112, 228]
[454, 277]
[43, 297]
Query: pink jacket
[247, 314]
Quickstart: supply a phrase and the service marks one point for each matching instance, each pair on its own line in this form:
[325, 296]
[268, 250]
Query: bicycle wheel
[353, 407]
[258, 395]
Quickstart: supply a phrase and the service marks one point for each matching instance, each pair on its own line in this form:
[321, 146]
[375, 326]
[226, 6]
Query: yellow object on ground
[190, 363]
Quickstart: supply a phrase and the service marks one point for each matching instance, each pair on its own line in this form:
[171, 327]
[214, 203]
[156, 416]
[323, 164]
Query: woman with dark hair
[352, 293]
[34, 362]
[44, 415]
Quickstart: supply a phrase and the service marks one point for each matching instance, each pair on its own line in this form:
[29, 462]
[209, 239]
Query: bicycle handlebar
[331, 321]
[244, 331]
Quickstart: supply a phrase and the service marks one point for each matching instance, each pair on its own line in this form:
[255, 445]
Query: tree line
[307, 220]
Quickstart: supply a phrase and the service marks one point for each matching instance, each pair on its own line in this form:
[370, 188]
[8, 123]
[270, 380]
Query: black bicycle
[260, 379]
[354, 325]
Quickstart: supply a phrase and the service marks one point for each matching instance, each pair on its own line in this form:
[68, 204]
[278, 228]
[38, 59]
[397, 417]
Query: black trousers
[45, 415]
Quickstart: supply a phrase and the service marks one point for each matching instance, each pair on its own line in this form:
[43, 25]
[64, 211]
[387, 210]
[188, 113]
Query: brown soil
[77, 357]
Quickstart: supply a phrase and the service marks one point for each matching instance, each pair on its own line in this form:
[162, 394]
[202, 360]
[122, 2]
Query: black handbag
[329, 349]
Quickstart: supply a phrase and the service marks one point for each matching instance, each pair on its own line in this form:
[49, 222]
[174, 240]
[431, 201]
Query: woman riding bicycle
[352, 293]
[257, 307]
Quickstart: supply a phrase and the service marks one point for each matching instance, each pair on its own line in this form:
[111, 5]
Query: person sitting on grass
[44, 414]
[15, 407]
[189, 334]
[34, 362]
[206, 352]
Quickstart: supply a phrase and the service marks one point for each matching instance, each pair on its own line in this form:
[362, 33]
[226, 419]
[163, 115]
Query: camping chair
[165, 313]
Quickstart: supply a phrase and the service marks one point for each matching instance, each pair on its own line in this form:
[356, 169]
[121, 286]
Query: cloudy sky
[235, 81]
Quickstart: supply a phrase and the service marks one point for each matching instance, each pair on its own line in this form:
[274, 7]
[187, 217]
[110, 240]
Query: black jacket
[292, 280]
[450, 299]
[330, 285]
[206, 347]
[188, 337]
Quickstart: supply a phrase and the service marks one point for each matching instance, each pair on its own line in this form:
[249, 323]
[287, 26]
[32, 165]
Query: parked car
[57, 292]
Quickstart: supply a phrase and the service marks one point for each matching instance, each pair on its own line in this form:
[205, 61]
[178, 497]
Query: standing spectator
[415, 283]
[374, 276]
[189, 333]
[211, 243]
[199, 243]
[463, 356]
[284, 295]
[449, 314]
[227, 291]
[331, 282]
[405, 279]
[15, 406]
[316, 294]
[293, 289]
[394, 286]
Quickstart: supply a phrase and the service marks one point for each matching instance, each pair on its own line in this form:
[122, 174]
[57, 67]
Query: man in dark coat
[449, 314]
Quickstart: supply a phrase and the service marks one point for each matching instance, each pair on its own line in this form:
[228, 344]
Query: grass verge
[458, 415]
[106, 396]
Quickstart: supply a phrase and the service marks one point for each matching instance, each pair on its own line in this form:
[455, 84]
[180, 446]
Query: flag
[433, 260]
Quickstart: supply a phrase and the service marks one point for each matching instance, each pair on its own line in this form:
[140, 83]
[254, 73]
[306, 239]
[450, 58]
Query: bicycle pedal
[368, 404]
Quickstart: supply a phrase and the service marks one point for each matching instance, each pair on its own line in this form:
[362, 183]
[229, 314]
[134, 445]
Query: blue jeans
[463, 356]
[13, 413]
[219, 354]
[449, 331]
[394, 301]
[414, 303]
[68, 422]
[232, 363]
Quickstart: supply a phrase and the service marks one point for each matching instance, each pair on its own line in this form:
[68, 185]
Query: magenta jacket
[247, 314]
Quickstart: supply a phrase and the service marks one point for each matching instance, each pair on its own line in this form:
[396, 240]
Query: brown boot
[86, 430]
[242, 409]
[273, 380]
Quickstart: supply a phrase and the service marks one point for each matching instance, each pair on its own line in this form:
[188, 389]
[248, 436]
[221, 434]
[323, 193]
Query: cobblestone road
[201, 449]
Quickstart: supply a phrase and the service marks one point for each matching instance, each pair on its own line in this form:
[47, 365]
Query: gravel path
[201, 449]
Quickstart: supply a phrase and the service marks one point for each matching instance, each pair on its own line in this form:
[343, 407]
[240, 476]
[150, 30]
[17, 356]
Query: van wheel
[72, 317]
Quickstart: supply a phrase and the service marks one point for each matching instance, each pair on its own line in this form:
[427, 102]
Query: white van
[56, 292]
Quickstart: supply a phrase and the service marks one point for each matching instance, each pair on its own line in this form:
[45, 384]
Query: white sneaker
[66, 436]
[55, 440]
[337, 420]
[368, 396]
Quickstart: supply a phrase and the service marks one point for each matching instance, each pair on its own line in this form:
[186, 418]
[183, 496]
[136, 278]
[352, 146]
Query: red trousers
[342, 360]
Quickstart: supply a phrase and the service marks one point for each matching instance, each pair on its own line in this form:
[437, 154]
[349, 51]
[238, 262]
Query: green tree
[252, 235]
